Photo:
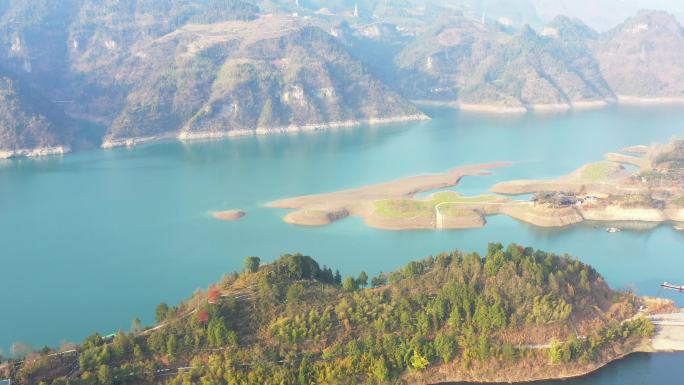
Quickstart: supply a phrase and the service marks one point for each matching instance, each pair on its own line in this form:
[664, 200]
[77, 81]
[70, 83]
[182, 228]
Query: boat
[613, 229]
[678, 227]
[670, 286]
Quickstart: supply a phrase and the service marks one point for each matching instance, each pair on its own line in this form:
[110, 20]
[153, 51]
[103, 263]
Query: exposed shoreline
[184, 135]
[34, 152]
[498, 109]
[565, 374]
[649, 101]
[580, 105]
[604, 191]
[322, 209]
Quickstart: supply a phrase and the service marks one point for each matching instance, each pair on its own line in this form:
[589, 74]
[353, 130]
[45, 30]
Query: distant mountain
[642, 57]
[482, 66]
[195, 68]
[267, 74]
[604, 14]
[142, 70]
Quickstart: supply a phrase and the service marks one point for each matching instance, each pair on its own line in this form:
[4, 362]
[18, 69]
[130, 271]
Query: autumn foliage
[213, 295]
[203, 316]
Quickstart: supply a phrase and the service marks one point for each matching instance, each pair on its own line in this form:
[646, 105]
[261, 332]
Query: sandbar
[322, 209]
[229, 215]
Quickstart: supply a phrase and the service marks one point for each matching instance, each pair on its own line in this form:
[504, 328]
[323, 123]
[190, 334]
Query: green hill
[514, 314]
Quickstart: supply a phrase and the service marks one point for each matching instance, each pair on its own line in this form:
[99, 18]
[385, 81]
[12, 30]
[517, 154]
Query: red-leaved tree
[203, 316]
[213, 295]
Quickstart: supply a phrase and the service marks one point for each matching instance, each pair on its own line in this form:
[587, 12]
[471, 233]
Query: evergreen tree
[161, 312]
[363, 279]
[251, 264]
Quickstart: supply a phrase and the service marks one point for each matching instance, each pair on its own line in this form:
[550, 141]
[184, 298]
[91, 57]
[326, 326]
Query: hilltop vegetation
[514, 314]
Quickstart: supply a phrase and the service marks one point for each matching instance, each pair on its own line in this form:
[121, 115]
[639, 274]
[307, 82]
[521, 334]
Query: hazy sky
[605, 14]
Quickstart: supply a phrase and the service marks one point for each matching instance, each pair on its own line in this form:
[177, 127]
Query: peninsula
[515, 314]
[637, 184]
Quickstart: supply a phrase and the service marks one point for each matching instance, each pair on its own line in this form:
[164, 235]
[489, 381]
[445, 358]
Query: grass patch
[422, 208]
[679, 201]
[597, 171]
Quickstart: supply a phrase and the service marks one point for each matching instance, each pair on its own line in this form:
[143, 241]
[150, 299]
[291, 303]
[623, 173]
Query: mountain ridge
[190, 69]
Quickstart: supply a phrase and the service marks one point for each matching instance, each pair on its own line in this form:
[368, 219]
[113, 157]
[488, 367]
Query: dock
[669, 333]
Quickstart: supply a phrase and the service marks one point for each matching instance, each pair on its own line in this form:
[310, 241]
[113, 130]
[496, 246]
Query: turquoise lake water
[91, 240]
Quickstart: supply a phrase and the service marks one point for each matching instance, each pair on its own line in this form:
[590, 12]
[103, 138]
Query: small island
[514, 314]
[229, 215]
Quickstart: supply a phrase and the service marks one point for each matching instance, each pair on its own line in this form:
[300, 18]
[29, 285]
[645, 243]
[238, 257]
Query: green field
[596, 171]
[416, 208]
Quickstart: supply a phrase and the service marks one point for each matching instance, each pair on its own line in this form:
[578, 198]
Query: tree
[380, 370]
[414, 268]
[203, 316]
[251, 264]
[338, 277]
[327, 275]
[363, 279]
[136, 326]
[213, 295]
[161, 312]
[380, 280]
[137, 352]
[217, 333]
[508, 352]
[294, 292]
[171, 345]
[121, 345]
[419, 361]
[349, 284]
[445, 347]
[104, 375]
[555, 353]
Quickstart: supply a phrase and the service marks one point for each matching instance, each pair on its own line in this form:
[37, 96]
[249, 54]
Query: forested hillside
[515, 313]
[134, 71]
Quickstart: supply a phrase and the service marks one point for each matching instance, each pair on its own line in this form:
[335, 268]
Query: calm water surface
[92, 240]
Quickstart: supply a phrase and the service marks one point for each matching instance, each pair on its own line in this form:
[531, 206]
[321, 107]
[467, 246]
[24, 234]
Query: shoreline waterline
[546, 108]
